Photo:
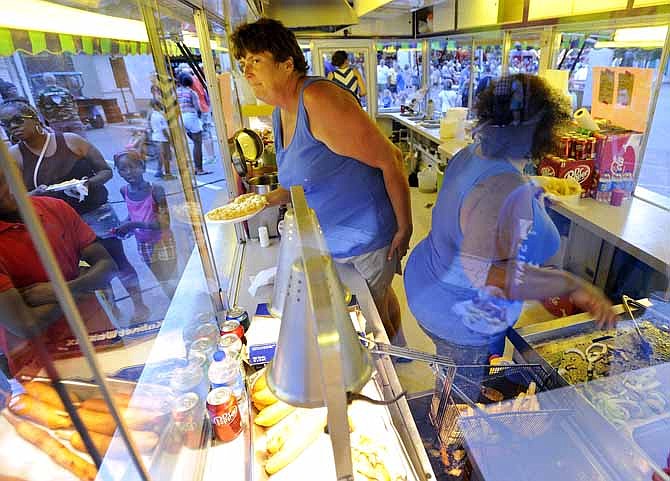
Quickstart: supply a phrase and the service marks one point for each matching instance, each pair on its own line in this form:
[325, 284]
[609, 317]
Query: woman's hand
[39, 294]
[41, 189]
[590, 299]
[400, 243]
[124, 230]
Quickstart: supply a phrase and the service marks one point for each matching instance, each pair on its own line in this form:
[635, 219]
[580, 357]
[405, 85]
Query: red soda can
[224, 413]
[564, 147]
[240, 315]
[186, 412]
[232, 326]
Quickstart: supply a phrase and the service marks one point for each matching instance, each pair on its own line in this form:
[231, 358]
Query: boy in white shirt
[448, 97]
[160, 138]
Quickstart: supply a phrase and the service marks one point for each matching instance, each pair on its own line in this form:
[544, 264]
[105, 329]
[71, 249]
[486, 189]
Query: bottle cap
[219, 356]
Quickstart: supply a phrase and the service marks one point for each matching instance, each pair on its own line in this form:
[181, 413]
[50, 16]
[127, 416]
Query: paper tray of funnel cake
[292, 443]
[39, 441]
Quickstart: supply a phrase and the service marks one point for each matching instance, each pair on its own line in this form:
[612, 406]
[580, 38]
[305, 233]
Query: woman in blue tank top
[490, 233]
[351, 173]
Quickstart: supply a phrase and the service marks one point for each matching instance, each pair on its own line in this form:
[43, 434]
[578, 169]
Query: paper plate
[65, 185]
[234, 219]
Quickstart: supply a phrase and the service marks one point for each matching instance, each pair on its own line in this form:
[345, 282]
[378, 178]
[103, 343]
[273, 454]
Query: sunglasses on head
[18, 119]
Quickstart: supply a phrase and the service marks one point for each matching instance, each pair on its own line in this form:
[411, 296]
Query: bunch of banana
[288, 439]
[270, 409]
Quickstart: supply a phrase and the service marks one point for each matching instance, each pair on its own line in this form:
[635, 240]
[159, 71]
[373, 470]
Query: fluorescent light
[49, 17]
[641, 34]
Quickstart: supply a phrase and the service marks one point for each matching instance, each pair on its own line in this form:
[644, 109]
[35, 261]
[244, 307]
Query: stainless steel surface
[288, 253]
[65, 298]
[315, 15]
[264, 184]
[321, 334]
[257, 258]
[292, 376]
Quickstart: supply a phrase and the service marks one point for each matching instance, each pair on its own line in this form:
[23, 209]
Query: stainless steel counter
[639, 228]
[431, 134]
[256, 258]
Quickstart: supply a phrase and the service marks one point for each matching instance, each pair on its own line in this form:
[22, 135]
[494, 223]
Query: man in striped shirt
[345, 75]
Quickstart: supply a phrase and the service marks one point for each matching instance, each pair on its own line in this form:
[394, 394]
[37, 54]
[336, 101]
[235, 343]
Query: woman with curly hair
[466, 282]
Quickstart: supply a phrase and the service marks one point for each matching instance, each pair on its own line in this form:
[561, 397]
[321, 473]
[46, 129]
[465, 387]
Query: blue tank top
[348, 196]
[439, 286]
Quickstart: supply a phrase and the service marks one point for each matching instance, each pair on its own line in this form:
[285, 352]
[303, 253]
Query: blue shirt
[443, 284]
[348, 196]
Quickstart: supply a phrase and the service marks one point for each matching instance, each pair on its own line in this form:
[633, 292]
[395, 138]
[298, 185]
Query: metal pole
[202, 31]
[507, 46]
[64, 296]
[472, 73]
[425, 65]
[654, 100]
[330, 353]
[197, 220]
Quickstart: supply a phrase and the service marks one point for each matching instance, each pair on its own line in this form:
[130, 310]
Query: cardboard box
[580, 170]
[263, 332]
[617, 153]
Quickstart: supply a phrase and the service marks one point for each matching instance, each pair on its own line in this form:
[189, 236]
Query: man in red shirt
[28, 304]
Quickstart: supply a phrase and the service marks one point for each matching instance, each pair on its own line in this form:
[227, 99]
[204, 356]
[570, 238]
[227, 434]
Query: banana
[261, 383]
[271, 415]
[277, 434]
[264, 396]
[305, 433]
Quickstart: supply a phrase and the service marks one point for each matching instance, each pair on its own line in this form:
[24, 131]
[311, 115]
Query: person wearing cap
[325, 142]
[59, 107]
[490, 236]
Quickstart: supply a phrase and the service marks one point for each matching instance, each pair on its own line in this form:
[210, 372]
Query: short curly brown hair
[268, 35]
[536, 98]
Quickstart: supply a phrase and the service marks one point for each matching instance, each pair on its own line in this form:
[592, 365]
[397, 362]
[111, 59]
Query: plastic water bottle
[604, 193]
[225, 372]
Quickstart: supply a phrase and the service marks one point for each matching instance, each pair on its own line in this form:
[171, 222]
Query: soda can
[564, 147]
[205, 345]
[232, 326]
[593, 146]
[224, 414]
[187, 415]
[231, 344]
[240, 315]
[197, 329]
[189, 378]
[200, 359]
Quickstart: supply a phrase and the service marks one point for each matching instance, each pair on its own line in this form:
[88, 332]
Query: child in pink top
[148, 220]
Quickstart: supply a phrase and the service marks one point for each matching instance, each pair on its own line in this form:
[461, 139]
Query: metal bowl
[264, 183]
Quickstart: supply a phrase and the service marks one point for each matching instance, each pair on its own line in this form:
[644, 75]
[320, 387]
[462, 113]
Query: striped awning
[33, 43]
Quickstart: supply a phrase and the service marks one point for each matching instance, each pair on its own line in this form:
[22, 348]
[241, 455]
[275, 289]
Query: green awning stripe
[38, 41]
[87, 43]
[106, 45]
[6, 42]
[67, 43]
[34, 42]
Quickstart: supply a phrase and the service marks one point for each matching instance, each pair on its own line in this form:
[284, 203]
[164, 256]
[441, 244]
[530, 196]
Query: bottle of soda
[225, 372]
[604, 193]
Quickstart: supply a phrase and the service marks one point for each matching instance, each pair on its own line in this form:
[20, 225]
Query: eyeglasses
[18, 119]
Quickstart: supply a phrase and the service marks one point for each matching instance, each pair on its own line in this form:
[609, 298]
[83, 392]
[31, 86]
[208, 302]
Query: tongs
[645, 346]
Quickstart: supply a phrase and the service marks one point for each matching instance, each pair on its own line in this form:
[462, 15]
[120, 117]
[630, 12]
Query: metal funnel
[289, 249]
[294, 375]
